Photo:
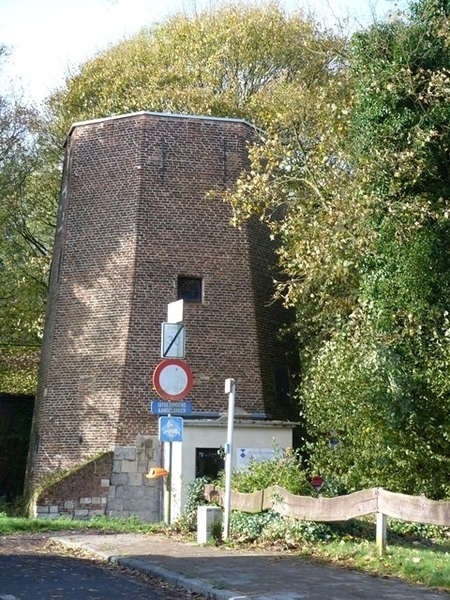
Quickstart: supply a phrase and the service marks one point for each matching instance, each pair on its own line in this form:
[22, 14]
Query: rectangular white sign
[244, 456]
[175, 311]
[173, 340]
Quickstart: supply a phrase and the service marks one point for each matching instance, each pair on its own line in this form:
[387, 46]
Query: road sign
[163, 407]
[173, 379]
[170, 429]
[173, 340]
[317, 482]
[175, 311]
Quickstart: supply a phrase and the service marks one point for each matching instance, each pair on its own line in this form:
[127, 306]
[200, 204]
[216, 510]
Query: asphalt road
[32, 568]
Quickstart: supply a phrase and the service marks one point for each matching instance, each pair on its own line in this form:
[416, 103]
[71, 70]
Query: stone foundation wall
[130, 492]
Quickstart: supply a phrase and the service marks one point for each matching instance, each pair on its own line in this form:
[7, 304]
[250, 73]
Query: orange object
[156, 472]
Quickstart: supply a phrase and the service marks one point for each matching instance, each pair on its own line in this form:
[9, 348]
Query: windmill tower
[137, 230]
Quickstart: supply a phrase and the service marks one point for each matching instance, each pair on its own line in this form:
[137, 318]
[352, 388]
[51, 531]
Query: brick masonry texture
[134, 216]
[67, 497]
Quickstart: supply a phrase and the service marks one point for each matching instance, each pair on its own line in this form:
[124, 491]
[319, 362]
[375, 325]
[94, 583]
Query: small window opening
[208, 463]
[190, 289]
[283, 384]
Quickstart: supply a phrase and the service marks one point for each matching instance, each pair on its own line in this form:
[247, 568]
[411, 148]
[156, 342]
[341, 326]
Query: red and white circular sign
[173, 379]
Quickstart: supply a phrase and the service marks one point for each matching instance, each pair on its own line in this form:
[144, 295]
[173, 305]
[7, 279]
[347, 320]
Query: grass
[419, 560]
[416, 553]
[428, 566]
[17, 525]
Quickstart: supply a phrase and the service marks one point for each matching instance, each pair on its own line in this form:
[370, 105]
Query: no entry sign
[172, 379]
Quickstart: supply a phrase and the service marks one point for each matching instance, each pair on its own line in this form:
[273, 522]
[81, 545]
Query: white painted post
[230, 389]
[209, 523]
[381, 533]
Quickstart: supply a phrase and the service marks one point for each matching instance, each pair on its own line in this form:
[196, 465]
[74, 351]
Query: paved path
[222, 574]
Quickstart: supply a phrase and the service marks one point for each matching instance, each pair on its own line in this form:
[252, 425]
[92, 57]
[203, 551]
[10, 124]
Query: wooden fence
[417, 509]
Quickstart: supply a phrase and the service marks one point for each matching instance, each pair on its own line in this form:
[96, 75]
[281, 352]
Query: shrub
[291, 533]
[245, 527]
[406, 531]
[284, 469]
[270, 527]
[187, 521]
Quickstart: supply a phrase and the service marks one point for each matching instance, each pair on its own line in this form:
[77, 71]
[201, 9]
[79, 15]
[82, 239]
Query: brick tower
[135, 231]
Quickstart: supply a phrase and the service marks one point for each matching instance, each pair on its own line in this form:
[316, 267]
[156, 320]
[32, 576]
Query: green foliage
[291, 534]
[225, 62]
[392, 419]
[11, 509]
[25, 239]
[352, 178]
[300, 183]
[12, 525]
[18, 369]
[284, 469]
[404, 532]
[245, 527]
[187, 521]
[383, 379]
[271, 528]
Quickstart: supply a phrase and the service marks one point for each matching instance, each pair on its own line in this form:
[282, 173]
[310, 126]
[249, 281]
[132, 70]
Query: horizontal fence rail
[383, 503]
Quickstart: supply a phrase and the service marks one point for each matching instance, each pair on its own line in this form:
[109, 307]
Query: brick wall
[133, 217]
[82, 495]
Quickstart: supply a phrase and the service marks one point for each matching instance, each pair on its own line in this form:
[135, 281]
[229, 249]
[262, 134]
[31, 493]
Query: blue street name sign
[170, 429]
[164, 407]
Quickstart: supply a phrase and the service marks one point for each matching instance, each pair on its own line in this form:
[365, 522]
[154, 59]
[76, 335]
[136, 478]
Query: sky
[48, 39]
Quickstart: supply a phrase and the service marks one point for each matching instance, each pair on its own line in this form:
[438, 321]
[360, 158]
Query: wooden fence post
[381, 533]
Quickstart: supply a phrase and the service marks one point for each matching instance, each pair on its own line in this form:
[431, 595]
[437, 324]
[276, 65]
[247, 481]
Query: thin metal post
[169, 487]
[230, 389]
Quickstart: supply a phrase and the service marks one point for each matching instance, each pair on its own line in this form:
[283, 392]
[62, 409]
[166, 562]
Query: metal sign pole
[230, 389]
[169, 487]
[170, 429]
[172, 380]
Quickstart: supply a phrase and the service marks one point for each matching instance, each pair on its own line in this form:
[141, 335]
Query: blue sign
[164, 407]
[170, 429]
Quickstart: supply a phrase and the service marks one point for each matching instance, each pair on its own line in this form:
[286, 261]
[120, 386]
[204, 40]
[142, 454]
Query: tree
[302, 186]
[23, 253]
[395, 351]
[362, 189]
[228, 62]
